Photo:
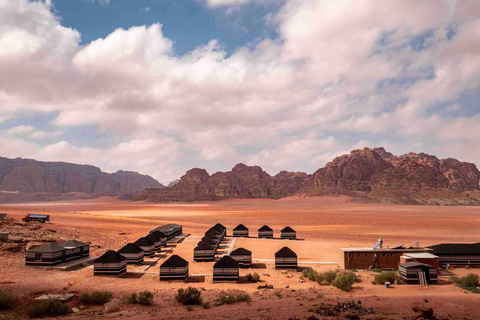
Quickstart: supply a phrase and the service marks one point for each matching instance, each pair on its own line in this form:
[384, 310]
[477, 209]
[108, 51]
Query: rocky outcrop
[371, 174]
[172, 183]
[31, 176]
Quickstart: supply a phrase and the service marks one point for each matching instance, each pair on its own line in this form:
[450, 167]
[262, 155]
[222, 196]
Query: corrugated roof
[420, 255]
[456, 248]
[370, 249]
[110, 257]
[226, 262]
[174, 261]
[285, 252]
[414, 264]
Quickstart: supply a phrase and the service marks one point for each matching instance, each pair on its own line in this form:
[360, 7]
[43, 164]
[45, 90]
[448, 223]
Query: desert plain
[323, 225]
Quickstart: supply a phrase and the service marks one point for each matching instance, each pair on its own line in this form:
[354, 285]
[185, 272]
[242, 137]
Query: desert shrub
[7, 300]
[231, 298]
[329, 276]
[469, 281]
[189, 308]
[310, 274]
[345, 281]
[145, 298]
[255, 277]
[189, 296]
[278, 293]
[96, 297]
[50, 307]
[130, 299]
[266, 286]
[386, 276]
[206, 305]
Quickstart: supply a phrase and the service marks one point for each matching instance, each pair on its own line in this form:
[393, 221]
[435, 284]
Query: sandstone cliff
[369, 174]
[31, 176]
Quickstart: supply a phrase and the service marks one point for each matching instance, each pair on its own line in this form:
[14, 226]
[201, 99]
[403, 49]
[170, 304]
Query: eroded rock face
[375, 172]
[31, 176]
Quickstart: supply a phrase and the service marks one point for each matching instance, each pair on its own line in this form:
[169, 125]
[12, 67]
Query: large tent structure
[288, 233]
[265, 232]
[157, 241]
[226, 269]
[147, 246]
[240, 231]
[133, 253]
[160, 235]
[175, 268]
[45, 255]
[285, 258]
[457, 254]
[111, 263]
[204, 252]
[75, 250]
[417, 273]
[243, 257]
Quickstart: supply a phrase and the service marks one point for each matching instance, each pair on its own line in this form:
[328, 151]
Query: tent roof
[240, 251]
[285, 252]
[213, 232]
[174, 261]
[220, 226]
[265, 228]
[72, 244]
[414, 264]
[47, 248]
[110, 257]
[226, 262]
[208, 240]
[130, 248]
[287, 229]
[240, 227]
[456, 248]
[153, 237]
[158, 234]
[144, 242]
[203, 246]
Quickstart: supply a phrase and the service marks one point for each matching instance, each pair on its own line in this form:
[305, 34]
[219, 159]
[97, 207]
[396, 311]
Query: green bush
[96, 297]
[130, 299]
[255, 277]
[206, 305]
[50, 307]
[329, 276]
[189, 308]
[387, 276]
[231, 298]
[145, 298]
[7, 300]
[345, 281]
[310, 274]
[189, 296]
[467, 282]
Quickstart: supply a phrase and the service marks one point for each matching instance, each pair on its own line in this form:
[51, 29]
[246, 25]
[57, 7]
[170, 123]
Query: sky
[160, 87]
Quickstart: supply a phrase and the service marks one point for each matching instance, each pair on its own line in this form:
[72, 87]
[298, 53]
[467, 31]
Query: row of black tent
[206, 248]
[54, 254]
[264, 232]
[115, 263]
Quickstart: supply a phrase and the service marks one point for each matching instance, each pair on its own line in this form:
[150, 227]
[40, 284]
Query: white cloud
[338, 68]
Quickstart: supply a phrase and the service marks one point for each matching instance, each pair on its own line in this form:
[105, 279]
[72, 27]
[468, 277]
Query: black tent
[147, 246]
[285, 258]
[265, 232]
[45, 255]
[160, 235]
[110, 263]
[75, 249]
[243, 257]
[204, 252]
[174, 268]
[288, 233]
[157, 241]
[459, 254]
[132, 252]
[240, 231]
[417, 273]
[226, 269]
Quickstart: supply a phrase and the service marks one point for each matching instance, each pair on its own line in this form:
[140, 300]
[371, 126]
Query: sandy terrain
[324, 224]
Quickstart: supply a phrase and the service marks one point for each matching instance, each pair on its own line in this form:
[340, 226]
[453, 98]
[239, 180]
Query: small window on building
[366, 254]
[383, 254]
[358, 254]
[391, 254]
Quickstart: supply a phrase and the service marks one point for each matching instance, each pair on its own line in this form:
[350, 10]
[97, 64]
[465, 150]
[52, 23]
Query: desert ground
[322, 223]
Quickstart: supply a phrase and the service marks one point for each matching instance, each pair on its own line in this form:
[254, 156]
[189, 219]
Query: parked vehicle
[36, 217]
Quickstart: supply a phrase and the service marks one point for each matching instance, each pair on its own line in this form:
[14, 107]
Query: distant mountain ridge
[31, 176]
[368, 174]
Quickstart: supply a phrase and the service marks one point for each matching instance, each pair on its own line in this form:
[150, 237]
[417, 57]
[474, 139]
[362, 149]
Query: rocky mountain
[368, 174]
[172, 183]
[31, 176]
